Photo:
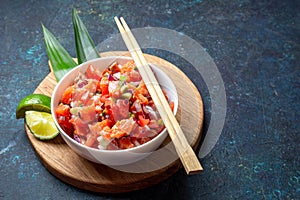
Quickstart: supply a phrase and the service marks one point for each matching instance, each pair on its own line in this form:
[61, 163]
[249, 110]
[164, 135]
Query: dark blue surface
[256, 47]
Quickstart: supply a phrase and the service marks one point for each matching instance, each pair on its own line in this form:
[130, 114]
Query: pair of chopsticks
[183, 149]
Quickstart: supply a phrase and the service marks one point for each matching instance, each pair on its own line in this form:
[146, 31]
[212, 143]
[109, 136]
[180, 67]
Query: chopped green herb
[123, 78]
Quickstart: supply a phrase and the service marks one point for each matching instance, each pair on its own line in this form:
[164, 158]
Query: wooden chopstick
[183, 149]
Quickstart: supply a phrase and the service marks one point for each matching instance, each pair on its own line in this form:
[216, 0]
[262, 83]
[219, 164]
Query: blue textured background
[256, 47]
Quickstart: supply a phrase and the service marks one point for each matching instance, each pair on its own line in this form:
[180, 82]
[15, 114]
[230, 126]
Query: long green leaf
[85, 47]
[60, 59]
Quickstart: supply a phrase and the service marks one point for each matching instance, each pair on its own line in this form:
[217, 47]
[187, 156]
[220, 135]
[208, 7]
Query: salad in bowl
[105, 113]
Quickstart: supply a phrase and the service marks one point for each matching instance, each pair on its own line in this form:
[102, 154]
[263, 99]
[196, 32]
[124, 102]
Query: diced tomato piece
[109, 115]
[106, 72]
[104, 98]
[165, 94]
[172, 105]
[104, 85]
[114, 68]
[92, 73]
[142, 121]
[63, 116]
[68, 95]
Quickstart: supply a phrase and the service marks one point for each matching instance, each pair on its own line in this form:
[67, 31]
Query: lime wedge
[36, 102]
[41, 125]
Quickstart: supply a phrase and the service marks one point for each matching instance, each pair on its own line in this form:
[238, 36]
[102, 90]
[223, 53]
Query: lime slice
[41, 125]
[36, 102]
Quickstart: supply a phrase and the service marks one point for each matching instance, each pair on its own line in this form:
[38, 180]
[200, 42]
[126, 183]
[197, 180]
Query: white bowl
[112, 157]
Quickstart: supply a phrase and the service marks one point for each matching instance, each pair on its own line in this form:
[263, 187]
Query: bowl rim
[131, 150]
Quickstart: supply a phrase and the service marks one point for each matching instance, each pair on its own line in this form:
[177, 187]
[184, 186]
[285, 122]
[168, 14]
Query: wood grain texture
[71, 168]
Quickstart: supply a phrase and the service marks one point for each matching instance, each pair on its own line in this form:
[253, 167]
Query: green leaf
[85, 47]
[60, 59]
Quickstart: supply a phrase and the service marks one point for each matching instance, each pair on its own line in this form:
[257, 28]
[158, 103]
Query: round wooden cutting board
[71, 168]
